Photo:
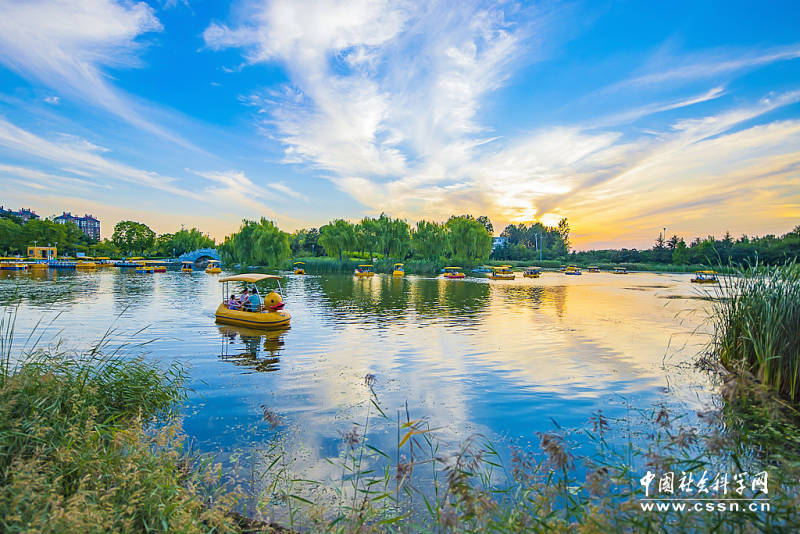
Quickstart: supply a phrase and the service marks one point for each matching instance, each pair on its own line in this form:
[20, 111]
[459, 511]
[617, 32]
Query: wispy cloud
[378, 88]
[80, 155]
[706, 65]
[70, 46]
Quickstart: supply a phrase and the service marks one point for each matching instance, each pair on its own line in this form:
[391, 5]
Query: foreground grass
[756, 320]
[78, 452]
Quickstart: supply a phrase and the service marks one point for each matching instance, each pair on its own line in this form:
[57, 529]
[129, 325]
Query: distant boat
[532, 272]
[705, 277]
[502, 272]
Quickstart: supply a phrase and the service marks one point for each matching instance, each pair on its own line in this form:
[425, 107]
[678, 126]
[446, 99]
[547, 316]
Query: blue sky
[624, 117]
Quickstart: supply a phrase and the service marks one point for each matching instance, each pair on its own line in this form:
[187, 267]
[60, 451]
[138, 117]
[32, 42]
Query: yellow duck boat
[299, 267]
[532, 272]
[187, 266]
[363, 271]
[502, 272]
[397, 270]
[705, 277]
[573, 270]
[453, 272]
[213, 267]
[269, 315]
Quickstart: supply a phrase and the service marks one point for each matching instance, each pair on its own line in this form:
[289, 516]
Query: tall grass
[420, 485]
[79, 452]
[757, 325]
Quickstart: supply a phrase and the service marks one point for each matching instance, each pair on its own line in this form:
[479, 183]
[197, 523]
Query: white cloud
[69, 46]
[705, 65]
[386, 99]
[84, 157]
[54, 100]
[378, 88]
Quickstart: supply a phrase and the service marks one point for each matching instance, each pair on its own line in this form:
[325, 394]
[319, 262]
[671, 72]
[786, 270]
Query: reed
[756, 318]
[79, 451]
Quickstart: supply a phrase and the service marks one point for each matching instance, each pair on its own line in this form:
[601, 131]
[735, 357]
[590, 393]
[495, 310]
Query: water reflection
[497, 357]
[252, 349]
[46, 287]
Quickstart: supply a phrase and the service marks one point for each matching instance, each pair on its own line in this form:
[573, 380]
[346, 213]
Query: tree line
[769, 249]
[460, 239]
[129, 238]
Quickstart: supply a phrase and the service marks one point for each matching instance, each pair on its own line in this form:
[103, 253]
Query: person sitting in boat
[254, 304]
[244, 298]
[233, 303]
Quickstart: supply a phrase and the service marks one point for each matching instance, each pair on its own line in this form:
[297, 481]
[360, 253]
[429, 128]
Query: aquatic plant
[756, 318]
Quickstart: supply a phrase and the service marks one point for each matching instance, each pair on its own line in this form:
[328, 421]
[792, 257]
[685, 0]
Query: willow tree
[468, 239]
[257, 243]
[429, 239]
[337, 237]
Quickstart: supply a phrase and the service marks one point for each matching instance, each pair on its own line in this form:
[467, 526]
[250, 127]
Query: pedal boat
[158, 267]
[532, 272]
[364, 271]
[573, 271]
[502, 272]
[620, 270]
[397, 271]
[270, 316]
[213, 267]
[144, 267]
[299, 267]
[453, 272]
[593, 269]
[187, 266]
[86, 265]
[705, 277]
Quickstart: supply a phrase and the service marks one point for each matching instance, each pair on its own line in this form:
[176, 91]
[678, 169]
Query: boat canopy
[187, 262]
[366, 265]
[396, 264]
[299, 263]
[213, 261]
[250, 277]
[452, 268]
[705, 272]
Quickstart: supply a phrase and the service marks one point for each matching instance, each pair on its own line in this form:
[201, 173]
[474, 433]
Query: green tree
[132, 236]
[680, 253]
[256, 243]
[563, 233]
[484, 220]
[429, 239]
[337, 237]
[467, 239]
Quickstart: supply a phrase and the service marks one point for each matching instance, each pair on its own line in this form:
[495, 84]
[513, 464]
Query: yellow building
[42, 253]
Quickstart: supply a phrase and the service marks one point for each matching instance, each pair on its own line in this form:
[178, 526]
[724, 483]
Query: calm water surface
[502, 358]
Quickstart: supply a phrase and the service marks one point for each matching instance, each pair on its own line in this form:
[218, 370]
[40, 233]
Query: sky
[625, 117]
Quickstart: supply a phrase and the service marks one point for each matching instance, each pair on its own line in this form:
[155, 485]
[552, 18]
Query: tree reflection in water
[256, 350]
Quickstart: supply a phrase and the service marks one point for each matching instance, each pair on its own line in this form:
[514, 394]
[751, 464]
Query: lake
[504, 359]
